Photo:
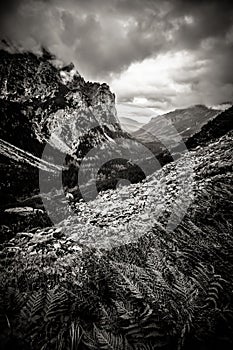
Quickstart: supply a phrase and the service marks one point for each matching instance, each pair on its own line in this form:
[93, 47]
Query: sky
[156, 55]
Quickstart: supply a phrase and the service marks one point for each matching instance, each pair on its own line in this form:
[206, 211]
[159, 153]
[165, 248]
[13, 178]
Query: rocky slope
[112, 276]
[214, 129]
[104, 222]
[43, 103]
[168, 128]
[47, 98]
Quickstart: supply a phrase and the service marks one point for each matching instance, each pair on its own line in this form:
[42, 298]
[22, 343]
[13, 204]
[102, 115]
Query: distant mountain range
[214, 129]
[186, 122]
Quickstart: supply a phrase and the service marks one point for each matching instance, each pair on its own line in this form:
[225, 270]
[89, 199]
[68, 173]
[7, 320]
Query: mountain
[209, 159]
[114, 276]
[215, 128]
[130, 125]
[46, 98]
[145, 266]
[165, 128]
[41, 104]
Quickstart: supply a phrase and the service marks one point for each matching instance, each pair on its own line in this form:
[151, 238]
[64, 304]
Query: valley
[138, 255]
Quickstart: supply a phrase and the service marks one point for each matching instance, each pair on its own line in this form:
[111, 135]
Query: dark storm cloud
[103, 37]
[210, 19]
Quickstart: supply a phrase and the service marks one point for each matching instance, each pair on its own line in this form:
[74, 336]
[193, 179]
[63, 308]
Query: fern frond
[56, 305]
[75, 335]
[107, 340]
[34, 307]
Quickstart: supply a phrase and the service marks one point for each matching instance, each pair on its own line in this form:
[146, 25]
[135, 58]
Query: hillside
[113, 276]
[212, 130]
[163, 129]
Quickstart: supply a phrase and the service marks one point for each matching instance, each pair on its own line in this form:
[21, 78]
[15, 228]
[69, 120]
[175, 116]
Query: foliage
[167, 290]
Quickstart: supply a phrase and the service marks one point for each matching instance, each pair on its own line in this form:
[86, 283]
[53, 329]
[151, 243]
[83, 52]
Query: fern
[56, 305]
[75, 335]
[107, 340]
[213, 291]
[34, 307]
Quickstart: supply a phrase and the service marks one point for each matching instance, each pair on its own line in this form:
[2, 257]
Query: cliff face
[44, 99]
[41, 103]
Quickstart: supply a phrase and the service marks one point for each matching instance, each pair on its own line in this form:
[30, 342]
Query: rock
[58, 233]
[33, 107]
[25, 234]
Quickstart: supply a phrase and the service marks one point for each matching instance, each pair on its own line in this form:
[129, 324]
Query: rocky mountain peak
[50, 96]
[42, 103]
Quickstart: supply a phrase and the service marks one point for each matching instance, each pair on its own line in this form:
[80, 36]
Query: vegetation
[168, 290]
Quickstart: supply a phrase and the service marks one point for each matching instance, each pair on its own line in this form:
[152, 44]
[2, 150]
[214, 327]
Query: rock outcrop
[43, 103]
[42, 97]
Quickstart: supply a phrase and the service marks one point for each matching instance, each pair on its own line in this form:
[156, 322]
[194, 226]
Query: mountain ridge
[43, 104]
[186, 121]
[43, 90]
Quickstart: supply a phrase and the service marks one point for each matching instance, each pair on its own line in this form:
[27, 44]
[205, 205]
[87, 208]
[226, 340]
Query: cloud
[132, 110]
[124, 43]
[101, 39]
[172, 81]
[159, 80]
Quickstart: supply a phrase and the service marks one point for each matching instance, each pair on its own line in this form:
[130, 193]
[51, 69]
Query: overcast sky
[156, 55]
